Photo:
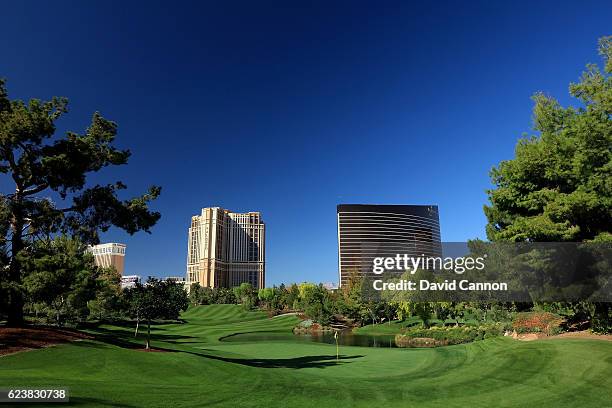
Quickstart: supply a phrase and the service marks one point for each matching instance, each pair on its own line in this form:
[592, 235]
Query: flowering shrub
[306, 323]
[537, 322]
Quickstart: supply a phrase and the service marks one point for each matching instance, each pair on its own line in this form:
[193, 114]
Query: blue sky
[290, 108]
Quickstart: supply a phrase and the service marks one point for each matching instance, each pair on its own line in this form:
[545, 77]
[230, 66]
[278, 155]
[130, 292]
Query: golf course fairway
[197, 369]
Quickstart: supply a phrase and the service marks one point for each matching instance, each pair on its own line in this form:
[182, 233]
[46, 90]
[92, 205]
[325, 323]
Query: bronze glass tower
[367, 231]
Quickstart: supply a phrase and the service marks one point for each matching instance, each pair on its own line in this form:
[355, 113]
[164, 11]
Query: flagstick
[337, 349]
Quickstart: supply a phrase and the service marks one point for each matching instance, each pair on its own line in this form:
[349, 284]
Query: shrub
[602, 318]
[447, 335]
[537, 322]
[404, 341]
[306, 323]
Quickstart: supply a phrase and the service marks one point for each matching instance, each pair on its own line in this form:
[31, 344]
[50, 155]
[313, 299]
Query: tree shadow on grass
[126, 340]
[180, 341]
[130, 324]
[81, 402]
[87, 402]
[319, 361]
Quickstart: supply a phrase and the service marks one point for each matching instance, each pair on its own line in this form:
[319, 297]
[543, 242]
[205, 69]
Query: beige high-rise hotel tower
[226, 249]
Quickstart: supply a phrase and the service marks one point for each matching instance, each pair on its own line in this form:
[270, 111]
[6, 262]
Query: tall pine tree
[40, 165]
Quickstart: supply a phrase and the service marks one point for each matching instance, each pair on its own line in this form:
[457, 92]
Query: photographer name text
[453, 285]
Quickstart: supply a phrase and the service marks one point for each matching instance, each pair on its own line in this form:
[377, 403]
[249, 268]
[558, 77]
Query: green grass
[393, 327]
[205, 372]
[397, 326]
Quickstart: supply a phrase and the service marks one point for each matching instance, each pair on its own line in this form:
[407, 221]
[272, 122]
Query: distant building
[110, 254]
[330, 285]
[177, 279]
[226, 249]
[129, 281]
[367, 231]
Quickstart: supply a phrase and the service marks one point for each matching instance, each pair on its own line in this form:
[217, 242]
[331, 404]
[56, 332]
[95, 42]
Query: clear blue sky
[290, 108]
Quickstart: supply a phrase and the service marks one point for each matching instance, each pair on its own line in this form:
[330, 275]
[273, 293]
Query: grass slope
[203, 371]
[392, 327]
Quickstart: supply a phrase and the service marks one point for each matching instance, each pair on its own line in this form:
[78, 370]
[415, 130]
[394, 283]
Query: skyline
[263, 110]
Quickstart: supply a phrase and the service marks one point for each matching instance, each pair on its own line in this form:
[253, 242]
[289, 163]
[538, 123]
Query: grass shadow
[318, 361]
[127, 340]
[81, 402]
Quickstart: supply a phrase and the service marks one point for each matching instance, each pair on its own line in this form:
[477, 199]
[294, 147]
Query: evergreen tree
[62, 276]
[558, 187]
[50, 194]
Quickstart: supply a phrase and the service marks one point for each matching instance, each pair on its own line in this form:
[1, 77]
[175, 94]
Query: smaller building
[175, 279]
[180, 280]
[330, 286]
[129, 281]
[109, 254]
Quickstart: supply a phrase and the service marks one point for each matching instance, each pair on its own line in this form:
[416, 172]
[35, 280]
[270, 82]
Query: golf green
[199, 369]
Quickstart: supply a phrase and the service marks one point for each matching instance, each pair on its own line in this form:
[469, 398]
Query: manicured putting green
[202, 371]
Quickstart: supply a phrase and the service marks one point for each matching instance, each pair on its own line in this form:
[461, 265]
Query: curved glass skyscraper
[367, 231]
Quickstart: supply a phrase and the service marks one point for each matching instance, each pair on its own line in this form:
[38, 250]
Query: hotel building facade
[110, 254]
[367, 231]
[226, 249]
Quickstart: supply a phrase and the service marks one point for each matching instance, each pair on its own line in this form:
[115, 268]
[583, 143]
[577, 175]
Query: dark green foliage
[351, 303]
[292, 297]
[60, 275]
[602, 318]
[245, 295]
[267, 297]
[558, 188]
[109, 304]
[424, 311]
[317, 302]
[210, 296]
[195, 298]
[156, 300]
[222, 296]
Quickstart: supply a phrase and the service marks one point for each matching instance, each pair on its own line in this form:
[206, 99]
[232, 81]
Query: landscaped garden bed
[13, 340]
[310, 327]
[448, 335]
[537, 322]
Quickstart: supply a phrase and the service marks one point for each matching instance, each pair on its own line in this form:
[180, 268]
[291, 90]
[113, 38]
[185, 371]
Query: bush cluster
[537, 322]
[447, 335]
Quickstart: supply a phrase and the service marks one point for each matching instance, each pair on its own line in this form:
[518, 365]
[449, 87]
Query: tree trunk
[59, 311]
[148, 334]
[137, 324]
[15, 297]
